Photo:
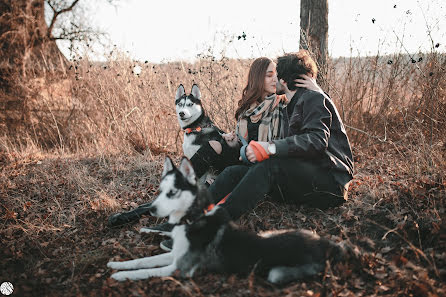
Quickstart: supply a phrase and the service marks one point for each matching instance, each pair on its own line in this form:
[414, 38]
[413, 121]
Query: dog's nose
[181, 114]
[152, 210]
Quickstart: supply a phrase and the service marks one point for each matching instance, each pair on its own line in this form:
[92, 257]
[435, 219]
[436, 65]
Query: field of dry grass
[94, 138]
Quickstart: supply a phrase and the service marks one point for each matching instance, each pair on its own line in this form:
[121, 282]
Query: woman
[258, 118]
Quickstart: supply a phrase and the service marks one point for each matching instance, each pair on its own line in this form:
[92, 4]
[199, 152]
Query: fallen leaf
[386, 249]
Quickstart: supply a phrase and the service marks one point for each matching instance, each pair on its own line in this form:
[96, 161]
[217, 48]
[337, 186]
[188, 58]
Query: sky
[162, 31]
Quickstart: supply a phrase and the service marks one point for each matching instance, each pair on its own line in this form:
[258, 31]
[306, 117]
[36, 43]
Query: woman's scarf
[269, 113]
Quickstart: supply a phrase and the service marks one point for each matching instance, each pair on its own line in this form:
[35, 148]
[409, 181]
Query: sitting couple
[298, 146]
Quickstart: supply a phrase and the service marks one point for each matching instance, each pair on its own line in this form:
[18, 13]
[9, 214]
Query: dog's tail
[346, 253]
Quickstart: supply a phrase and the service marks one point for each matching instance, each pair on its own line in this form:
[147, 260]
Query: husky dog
[211, 242]
[198, 128]
[198, 131]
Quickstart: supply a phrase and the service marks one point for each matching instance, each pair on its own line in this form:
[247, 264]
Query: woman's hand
[308, 82]
[231, 139]
[251, 155]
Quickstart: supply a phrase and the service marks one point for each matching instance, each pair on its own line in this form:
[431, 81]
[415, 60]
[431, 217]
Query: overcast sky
[161, 31]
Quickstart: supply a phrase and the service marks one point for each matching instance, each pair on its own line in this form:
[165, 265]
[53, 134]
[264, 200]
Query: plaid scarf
[269, 113]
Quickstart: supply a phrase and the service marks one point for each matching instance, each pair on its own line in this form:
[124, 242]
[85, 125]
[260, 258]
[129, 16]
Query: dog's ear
[195, 92]
[188, 171]
[180, 92]
[168, 166]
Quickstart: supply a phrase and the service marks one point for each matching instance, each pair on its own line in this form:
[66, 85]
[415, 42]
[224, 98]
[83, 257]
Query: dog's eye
[189, 104]
[171, 193]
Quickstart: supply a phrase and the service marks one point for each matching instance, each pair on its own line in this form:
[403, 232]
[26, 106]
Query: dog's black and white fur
[190, 114]
[199, 130]
[211, 242]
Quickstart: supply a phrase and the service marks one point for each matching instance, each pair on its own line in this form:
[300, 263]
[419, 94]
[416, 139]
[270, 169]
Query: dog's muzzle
[152, 210]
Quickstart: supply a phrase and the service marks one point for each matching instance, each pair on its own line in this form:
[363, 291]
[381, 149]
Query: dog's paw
[276, 275]
[120, 276]
[115, 265]
[148, 230]
[116, 220]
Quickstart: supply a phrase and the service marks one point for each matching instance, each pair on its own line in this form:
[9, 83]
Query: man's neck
[289, 94]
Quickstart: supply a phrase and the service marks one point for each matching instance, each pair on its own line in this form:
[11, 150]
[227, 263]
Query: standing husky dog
[210, 242]
[198, 128]
[198, 131]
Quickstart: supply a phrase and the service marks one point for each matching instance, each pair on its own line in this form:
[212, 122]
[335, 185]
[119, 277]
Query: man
[311, 164]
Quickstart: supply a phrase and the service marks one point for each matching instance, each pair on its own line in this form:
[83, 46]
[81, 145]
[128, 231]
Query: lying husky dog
[211, 242]
[198, 131]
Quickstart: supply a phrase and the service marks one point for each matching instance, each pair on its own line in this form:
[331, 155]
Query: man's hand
[231, 139]
[251, 156]
[308, 82]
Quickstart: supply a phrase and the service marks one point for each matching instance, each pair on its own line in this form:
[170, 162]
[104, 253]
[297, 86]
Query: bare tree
[28, 33]
[23, 34]
[314, 32]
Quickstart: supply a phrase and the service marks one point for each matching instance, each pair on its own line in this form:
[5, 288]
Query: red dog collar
[190, 130]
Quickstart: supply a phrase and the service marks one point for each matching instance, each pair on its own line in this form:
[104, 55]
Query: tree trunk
[26, 52]
[314, 33]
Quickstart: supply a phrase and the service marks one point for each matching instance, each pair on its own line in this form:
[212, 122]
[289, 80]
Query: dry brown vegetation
[90, 141]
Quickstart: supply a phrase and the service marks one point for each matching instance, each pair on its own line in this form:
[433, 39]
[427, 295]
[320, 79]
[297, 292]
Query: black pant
[297, 181]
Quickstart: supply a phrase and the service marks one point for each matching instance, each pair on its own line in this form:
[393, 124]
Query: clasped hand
[250, 154]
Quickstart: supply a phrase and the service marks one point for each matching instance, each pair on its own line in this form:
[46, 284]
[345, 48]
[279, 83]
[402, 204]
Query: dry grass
[55, 237]
[108, 105]
[94, 140]
[101, 106]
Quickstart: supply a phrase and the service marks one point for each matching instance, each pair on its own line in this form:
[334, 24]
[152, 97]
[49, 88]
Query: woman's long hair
[255, 87]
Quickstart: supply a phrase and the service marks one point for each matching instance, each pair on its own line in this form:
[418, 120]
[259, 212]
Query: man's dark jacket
[313, 129]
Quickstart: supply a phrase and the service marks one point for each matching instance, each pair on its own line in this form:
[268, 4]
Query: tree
[314, 33]
[28, 43]
[28, 33]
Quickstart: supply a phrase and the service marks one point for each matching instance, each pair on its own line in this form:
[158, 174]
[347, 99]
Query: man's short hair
[290, 66]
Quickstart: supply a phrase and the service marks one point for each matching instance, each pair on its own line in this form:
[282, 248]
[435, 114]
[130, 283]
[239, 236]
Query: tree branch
[75, 35]
[56, 14]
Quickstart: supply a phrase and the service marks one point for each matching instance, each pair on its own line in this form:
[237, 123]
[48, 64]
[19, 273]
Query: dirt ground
[56, 242]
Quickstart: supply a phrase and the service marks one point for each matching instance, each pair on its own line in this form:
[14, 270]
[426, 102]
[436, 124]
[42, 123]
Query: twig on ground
[412, 246]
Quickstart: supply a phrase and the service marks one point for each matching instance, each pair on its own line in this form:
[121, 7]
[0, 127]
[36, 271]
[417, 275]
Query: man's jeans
[297, 181]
